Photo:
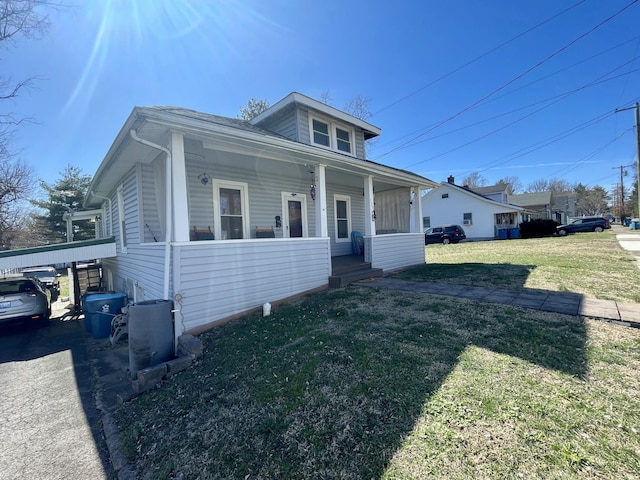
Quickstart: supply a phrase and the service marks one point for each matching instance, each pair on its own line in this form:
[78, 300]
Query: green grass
[374, 384]
[591, 264]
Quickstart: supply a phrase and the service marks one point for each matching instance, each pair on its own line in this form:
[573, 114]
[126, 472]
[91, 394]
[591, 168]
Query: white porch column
[322, 228]
[369, 207]
[417, 209]
[179, 188]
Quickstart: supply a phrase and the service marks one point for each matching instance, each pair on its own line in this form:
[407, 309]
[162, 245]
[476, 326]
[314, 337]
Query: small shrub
[538, 228]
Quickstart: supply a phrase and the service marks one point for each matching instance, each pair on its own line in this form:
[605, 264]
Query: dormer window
[329, 135]
[343, 140]
[321, 133]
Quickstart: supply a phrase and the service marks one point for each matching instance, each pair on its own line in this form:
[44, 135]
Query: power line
[513, 80]
[494, 49]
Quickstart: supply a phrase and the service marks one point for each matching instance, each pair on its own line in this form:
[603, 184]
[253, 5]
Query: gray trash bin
[150, 334]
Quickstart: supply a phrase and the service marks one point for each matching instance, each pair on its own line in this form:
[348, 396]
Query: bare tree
[474, 180]
[253, 109]
[358, 106]
[555, 185]
[513, 182]
[18, 18]
[16, 182]
[325, 97]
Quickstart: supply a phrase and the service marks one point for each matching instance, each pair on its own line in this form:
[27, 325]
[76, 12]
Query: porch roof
[155, 124]
[58, 253]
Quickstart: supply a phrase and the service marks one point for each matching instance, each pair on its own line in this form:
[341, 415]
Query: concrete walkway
[566, 303]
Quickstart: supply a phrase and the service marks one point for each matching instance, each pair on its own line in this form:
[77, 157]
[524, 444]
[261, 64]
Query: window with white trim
[330, 135]
[320, 133]
[467, 219]
[426, 222]
[342, 217]
[231, 203]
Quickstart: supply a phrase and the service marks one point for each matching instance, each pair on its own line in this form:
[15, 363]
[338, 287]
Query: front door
[294, 207]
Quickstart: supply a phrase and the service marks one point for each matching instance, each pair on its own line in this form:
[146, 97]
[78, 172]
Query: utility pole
[636, 107]
[620, 196]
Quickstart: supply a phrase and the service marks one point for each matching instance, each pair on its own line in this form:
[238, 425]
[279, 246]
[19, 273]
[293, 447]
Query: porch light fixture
[312, 192]
[204, 178]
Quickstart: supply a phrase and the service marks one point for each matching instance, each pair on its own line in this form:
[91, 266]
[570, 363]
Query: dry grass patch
[592, 264]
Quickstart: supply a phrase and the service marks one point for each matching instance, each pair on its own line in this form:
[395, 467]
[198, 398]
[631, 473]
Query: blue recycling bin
[514, 233]
[502, 233]
[101, 309]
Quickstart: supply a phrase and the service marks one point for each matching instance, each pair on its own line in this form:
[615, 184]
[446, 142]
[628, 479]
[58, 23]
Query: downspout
[169, 207]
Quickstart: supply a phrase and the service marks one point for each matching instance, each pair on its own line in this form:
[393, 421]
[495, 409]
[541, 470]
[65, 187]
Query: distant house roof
[475, 195]
[532, 198]
[497, 188]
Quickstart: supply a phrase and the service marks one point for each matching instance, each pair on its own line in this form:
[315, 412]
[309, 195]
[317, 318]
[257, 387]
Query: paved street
[48, 421]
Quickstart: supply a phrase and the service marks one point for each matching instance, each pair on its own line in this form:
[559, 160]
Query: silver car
[24, 299]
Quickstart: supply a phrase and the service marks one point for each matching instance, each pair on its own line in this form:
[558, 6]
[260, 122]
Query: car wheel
[446, 241]
[598, 229]
[562, 232]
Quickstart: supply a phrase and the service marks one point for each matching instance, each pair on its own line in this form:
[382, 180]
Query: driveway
[48, 421]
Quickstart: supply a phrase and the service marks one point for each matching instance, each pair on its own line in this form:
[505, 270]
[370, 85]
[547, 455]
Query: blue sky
[502, 87]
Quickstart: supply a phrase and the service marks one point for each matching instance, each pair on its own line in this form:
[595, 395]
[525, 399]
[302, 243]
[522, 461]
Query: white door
[294, 209]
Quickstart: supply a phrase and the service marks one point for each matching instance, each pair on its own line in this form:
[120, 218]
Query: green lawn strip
[361, 383]
[588, 263]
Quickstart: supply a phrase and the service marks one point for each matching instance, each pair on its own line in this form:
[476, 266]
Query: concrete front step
[344, 279]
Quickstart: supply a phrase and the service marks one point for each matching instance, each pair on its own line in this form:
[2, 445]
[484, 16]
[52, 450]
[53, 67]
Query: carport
[66, 253]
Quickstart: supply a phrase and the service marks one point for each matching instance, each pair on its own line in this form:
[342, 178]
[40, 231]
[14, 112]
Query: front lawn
[360, 383]
[592, 264]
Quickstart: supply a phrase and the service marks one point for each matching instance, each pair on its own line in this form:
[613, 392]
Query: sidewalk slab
[591, 307]
[629, 312]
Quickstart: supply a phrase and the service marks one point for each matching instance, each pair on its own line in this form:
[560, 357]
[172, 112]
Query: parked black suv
[585, 224]
[444, 234]
[47, 276]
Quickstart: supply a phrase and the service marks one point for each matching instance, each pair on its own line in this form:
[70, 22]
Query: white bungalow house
[222, 215]
[482, 218]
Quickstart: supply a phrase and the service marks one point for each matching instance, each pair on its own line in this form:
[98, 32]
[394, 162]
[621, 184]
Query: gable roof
[474, 195]
[497, 188]
[370, 131]
[532, 198]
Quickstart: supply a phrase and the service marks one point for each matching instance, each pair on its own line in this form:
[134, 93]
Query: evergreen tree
[66, 195]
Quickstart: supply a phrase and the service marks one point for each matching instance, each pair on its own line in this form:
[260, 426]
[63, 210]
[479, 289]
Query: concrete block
[189, 345]
[179, 364]
[149, 377]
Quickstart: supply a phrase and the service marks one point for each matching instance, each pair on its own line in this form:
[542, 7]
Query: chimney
[451, 179]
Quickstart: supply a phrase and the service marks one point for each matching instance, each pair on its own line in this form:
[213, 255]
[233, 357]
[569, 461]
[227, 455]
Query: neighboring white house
[296, 174]
[481, 217]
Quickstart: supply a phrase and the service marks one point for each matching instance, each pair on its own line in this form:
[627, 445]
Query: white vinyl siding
[255, 272]
[262, 180]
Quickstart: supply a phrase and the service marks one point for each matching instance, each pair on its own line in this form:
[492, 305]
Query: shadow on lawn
[331, 386]
[498, 275]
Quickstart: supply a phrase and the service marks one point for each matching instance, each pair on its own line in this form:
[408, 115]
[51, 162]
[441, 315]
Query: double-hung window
[343, 140]
[321, 133]
[231, 212]
[330, 135]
